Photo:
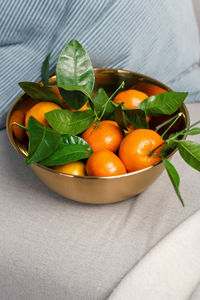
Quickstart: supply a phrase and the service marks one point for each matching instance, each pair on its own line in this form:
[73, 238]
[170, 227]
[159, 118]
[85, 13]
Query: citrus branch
[19, 125]
[165, 123]
[179, 115]
[109, 99]
[150, 153]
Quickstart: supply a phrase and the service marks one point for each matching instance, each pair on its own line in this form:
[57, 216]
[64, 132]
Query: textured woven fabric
[157, 38]
[52, 248]
[176, 277]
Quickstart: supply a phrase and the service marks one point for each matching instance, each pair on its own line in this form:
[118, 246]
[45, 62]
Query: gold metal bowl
[100, 190]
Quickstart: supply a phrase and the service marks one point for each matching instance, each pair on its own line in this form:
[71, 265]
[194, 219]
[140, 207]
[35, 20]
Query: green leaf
[136, 117]
[192, 131]
[70, 122]
[43, 141]
[186, 131]
[99, 99]
[120, 117]
[75, 74]
[174, 177]
[163, 104]
[70, 148]
[42, 93]
[74, 96]
[75, 140]
[190, 152]
[66, 154]
[45, 70]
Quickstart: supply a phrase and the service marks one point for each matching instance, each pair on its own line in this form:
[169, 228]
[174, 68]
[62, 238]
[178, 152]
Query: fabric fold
[171, 270]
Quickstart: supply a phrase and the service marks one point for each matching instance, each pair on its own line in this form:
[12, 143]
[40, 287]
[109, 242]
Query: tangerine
[74, 168]
[104, 163]
[39, 110]
[57, 92]
[84, 107]
[105, 135]
[135, 149]
[149, 88]
[131, 99]
[18, 116]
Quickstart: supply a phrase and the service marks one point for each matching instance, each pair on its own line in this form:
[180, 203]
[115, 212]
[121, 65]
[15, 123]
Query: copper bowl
[100, 190]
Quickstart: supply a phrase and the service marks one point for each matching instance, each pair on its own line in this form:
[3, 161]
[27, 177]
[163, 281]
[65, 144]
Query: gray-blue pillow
[157, 38]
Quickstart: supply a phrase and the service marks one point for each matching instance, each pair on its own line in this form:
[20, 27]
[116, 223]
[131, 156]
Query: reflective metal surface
[100, 190]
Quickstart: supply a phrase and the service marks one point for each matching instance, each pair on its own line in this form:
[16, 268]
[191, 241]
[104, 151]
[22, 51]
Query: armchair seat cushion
[53, 248]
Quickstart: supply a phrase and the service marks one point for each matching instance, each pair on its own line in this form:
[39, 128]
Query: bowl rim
[98, 70]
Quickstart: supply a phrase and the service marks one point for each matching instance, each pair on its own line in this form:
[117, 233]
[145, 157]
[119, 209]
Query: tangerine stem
[165, 123]
[19, 125]
[150, 153]
[109, 99]
[179, 115]
[183, 131]
[196, 123]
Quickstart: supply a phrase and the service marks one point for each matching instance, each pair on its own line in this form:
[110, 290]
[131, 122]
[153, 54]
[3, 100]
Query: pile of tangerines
[115, 151]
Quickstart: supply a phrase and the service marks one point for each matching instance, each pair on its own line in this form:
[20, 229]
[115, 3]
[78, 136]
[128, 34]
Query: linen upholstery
[52, 248]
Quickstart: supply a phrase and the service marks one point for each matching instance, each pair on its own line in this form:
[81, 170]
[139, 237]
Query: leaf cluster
[75, 78]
